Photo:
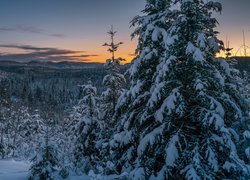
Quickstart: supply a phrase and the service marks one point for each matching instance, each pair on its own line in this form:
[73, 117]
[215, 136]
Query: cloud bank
[32, 53]
[30, 29]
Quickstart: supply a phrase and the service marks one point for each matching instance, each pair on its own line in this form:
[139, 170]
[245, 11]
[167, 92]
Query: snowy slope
[15, 170]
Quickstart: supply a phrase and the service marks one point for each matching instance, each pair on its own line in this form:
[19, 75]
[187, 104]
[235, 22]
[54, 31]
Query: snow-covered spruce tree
[242, 127]
[114, 81]
[245, 143]
[33, 131]
[45, 162]
[19, 116]
[4, 130]
[152, 29]
[86, 128]
[64, 144]
[178, 118]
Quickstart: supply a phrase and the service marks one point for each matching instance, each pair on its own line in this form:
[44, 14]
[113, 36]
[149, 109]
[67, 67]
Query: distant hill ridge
[64, 64]
[243, 64]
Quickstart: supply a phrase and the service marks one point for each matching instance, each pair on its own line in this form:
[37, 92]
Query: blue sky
[81, 25]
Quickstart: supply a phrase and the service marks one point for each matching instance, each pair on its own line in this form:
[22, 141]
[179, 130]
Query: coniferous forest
[177, 111]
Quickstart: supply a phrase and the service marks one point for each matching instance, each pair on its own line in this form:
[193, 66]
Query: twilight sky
[76, 29]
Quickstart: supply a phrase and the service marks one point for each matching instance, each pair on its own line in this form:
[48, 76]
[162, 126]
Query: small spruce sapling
[86, 128]
[114, 81]
[45, 163]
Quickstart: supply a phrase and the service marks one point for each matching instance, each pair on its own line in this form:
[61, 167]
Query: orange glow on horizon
[103, 57]
[93, 51]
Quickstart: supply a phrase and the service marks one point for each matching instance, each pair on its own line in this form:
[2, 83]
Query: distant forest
[52, 84]
[57, 84]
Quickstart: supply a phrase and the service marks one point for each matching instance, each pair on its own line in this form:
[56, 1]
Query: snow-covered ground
[18, 170]
[15, 170]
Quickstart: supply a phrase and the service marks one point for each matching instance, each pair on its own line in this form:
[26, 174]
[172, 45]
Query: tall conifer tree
[114, 81]
[86, 130]
[182, 116]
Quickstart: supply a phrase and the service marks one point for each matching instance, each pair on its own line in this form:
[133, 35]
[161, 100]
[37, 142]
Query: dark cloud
[24, 47]
[132, 54]
[58, 35]
[21, 28]
[32, 53]
[79, 56]
[30, 29]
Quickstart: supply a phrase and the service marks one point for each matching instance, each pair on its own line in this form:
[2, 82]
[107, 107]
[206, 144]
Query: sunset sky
[70, 29]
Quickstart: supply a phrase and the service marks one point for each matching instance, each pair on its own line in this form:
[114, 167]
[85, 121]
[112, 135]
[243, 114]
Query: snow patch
[149, 139]
[156, 34]
[212, 160]
[190, 48]
[168, 105]
[169, 40]
[122, 138]
[13, 170]
[246, 134]
[198, 56]
[201, 39]
[247, 152]
[172, 151]
[228, 166]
